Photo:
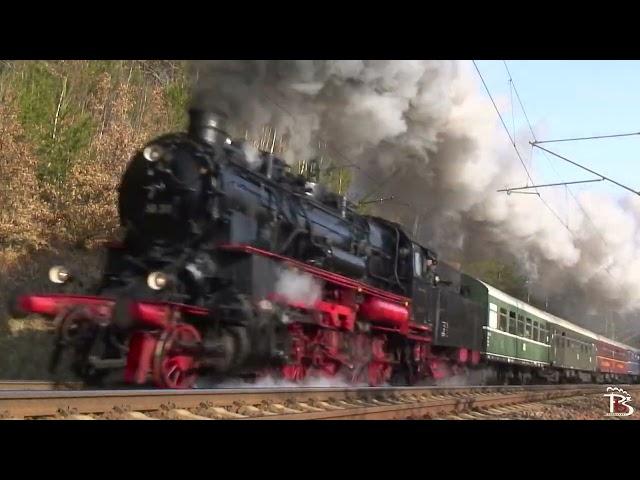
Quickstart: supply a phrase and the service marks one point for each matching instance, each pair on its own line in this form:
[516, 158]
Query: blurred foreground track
[284, 403]
[28, 385]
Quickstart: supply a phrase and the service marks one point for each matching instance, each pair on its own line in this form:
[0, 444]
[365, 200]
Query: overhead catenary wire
[582, 209]
[535, 141]
[621, 185]
[587, 216]
[519, 100]
[514, 190]
[512, 140]
[595, 137]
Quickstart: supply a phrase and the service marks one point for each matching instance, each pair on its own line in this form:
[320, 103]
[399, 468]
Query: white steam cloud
[298, 287]
[430, 136]
[312, 380]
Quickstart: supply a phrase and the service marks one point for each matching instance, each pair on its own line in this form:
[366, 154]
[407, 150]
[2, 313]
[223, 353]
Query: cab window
[417, 264]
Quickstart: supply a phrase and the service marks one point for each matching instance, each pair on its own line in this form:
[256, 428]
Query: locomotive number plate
[159, 208]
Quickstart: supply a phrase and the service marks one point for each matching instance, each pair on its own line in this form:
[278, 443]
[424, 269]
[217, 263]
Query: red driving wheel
[173, 368]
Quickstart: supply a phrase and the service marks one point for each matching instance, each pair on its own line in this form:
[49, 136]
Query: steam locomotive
[231, 265]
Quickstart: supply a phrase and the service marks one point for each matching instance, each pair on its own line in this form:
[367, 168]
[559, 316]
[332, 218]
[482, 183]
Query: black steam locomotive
[233, 265]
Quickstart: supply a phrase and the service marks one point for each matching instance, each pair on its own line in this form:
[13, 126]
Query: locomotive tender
[232, 265]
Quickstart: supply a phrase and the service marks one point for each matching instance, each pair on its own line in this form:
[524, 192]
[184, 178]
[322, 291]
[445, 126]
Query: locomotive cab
[423, 283]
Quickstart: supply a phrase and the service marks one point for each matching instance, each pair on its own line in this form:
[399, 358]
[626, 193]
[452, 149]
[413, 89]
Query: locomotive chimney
[207, 125]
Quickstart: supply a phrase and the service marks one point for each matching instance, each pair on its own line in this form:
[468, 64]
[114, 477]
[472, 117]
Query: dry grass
[42, 222]
[26, 344]
[25, 350]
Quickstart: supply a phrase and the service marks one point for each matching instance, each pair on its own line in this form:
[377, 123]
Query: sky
[568, 98]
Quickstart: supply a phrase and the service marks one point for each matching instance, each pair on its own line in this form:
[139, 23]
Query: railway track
[22, 385]
[280, 404]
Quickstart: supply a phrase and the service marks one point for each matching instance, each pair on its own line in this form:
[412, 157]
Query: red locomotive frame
[163, 347]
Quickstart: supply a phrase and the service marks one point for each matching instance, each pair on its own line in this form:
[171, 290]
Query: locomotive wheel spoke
[173, 368]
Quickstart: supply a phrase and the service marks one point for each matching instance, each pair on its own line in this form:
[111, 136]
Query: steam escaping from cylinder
[298, 287]
[424, 133]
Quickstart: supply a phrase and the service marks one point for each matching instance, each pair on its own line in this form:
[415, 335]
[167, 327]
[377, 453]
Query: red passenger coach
[612, 359]
[634, 363]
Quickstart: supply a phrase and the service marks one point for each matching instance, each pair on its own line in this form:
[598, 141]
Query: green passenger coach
[524, 342]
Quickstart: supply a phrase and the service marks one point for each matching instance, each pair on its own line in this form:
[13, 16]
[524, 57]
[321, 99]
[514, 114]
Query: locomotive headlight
[152, 153]
[157, 280]
[59, 275]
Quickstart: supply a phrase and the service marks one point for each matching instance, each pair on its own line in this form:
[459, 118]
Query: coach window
[536, 332]
[502, 325]
[521, 325]
[527, 329]
[512, 322]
